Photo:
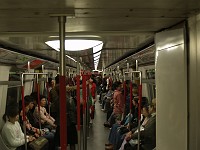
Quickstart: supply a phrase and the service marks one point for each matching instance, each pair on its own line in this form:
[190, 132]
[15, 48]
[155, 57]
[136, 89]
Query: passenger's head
[145, 110]
[92, 79]
[12, 113]
[144, 101]
[117, 85]
[135, 101]
[57, 79]
[42, 101]
[152, 107]
[135, 88]
[28, 101]
[50, 82]
[34, 95]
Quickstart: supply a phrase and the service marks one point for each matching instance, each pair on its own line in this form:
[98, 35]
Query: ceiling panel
[123, 25]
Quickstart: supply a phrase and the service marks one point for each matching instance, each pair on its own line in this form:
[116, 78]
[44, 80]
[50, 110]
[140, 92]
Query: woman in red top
[118, 105]
[92, 86]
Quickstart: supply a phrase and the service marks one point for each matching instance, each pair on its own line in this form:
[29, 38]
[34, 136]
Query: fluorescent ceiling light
[75, 44]
[71, 58]
[97, 58]
[97, 70]
[96, 55]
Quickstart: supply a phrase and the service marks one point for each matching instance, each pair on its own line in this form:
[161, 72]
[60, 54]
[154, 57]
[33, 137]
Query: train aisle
[98, 133]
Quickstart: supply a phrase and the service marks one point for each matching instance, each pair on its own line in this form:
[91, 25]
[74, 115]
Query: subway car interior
[95, 75]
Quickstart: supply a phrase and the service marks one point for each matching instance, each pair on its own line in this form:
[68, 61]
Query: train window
[150, 74]
[14, 89]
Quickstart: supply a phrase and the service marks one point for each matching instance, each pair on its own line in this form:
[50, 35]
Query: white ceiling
[123, 24]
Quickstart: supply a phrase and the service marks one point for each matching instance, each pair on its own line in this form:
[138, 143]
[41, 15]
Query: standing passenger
[72, 137]
[92, 86]
[118, 105]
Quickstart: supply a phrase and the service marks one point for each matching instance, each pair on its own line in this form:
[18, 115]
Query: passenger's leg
[113, 133]
[72, 147]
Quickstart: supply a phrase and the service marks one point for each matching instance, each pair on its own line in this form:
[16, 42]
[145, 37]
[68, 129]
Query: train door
[171, 90]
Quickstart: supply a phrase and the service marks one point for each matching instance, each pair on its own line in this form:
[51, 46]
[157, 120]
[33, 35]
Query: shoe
[108, 144]
[105, 111]
[107, 125]
[109, 147]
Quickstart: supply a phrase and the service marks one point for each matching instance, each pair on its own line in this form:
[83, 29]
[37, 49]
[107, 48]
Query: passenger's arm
[93, 91]
[107, 81]
[121, 102]
[135, 135]
[44, 117]
[12, 140]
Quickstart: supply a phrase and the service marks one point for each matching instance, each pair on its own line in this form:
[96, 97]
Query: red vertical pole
[124, 92]
[131, 95]
[48, 96]
[63, 110]
[23, 115]
[23, 105]
[62, 85]
[38, 95]
[38, 99]
[84, 93]
[124, 86]
[84, 111]
[78, 102]
[139, 111]
[140, 101]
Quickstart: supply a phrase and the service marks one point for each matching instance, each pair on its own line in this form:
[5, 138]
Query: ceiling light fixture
[77, 43]
[71, 58]
[96, 54]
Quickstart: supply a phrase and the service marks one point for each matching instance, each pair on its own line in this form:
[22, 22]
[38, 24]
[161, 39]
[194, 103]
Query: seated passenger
[107, 98]
[145, 112]
[118, 130]
[29, 101]
[36, 132]
[148, 135]
[11, 132]
[46, 119]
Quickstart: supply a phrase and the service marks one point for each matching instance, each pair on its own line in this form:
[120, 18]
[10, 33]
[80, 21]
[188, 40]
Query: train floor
[98, 134]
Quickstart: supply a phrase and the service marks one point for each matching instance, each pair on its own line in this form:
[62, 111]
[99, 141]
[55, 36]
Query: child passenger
[11, 132]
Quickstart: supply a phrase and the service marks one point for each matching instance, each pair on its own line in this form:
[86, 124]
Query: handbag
[40, 143]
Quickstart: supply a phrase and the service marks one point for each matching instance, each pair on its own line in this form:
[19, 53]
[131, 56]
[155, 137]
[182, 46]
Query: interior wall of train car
[3, 91]
[171, 90]
[194, 82]
[147, 87]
